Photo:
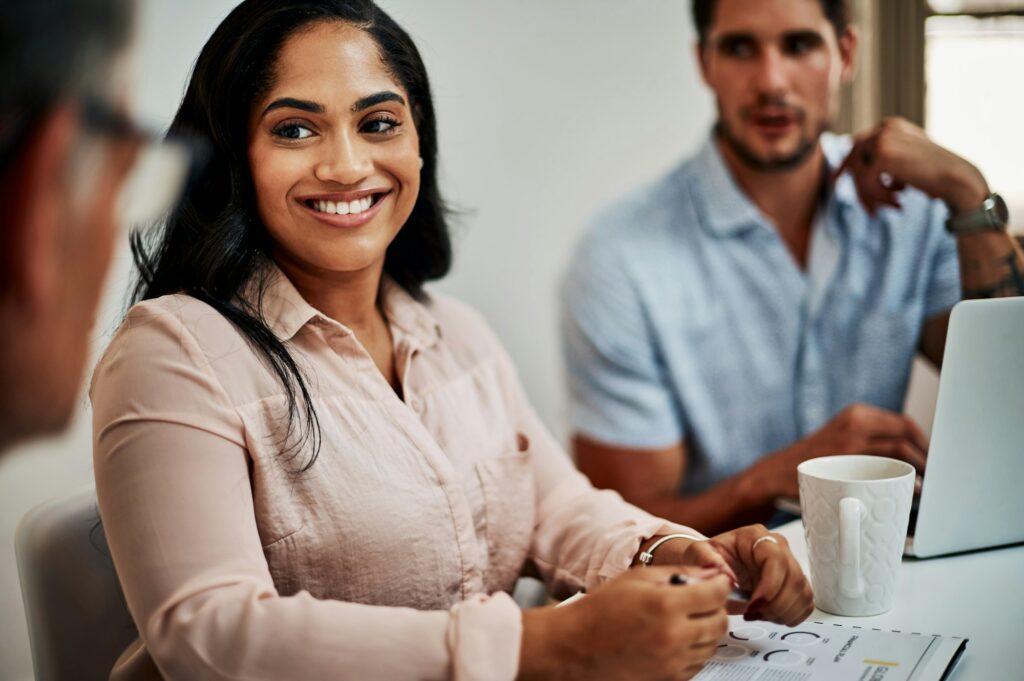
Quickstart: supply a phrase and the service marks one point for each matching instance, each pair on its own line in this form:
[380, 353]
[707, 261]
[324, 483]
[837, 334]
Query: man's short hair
[836, 11]
[54, 50]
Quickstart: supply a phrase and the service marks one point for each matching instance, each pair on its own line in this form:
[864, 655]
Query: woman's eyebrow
[292, 103]
[378, 98]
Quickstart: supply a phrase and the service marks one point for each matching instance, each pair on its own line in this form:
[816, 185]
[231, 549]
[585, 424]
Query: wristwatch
[991, 215]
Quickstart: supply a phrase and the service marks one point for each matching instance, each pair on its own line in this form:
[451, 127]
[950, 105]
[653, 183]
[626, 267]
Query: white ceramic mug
[855, 512]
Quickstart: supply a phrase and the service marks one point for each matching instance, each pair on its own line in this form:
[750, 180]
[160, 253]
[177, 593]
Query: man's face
[775, 67]
[92, 228]
[70, 219]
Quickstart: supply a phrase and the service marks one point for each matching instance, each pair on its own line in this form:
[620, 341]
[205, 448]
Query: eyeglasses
[158, 176]
[161, 169]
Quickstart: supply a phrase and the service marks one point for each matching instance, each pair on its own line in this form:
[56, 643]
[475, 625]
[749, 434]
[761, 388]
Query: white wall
[548, 109]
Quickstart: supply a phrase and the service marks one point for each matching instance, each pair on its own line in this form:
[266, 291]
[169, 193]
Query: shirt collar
[410, 316]
[726, 208]
[285, 311]
[836, 148]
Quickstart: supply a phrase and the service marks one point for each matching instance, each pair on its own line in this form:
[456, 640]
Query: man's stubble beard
[769, 165]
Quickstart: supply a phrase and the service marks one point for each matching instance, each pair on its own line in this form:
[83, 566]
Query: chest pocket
[508, 492]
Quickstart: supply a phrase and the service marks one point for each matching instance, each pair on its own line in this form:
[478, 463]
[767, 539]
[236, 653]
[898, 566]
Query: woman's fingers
[702, 599]
[772, 568]
[704, 554]
[791, 600]
[781, 592]
[640, 625]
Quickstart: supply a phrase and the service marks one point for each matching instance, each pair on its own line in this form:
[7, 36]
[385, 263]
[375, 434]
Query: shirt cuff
[484, 636]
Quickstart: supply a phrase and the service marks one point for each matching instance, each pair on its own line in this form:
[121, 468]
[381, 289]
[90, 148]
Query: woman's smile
[348, 209]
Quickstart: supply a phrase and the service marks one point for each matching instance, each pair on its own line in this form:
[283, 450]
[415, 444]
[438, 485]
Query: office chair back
[77, 618]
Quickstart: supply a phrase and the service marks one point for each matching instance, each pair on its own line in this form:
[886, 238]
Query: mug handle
[850, 583]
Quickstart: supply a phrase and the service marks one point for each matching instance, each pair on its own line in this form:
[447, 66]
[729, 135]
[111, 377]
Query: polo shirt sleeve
[943, 290]
[619, 392]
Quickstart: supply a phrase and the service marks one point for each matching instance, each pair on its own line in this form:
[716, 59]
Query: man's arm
[897, 154]
[651, 478]
[991, 266]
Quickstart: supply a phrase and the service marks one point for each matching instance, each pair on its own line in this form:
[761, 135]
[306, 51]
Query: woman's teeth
[343, 207]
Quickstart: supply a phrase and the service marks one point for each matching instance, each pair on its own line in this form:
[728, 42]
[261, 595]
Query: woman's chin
[351, 261]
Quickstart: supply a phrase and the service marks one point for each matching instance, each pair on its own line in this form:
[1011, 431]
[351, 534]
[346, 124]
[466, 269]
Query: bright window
[974, 55]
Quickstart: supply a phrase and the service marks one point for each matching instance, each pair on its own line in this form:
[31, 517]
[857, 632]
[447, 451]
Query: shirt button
[415, 404]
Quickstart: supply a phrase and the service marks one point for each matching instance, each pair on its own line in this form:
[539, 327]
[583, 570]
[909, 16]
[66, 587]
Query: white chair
[78, 622]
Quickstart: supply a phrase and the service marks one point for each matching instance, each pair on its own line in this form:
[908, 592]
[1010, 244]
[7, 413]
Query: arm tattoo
[1011, 285]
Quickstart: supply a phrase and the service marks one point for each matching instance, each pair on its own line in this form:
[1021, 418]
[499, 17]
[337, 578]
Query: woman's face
[334, 154]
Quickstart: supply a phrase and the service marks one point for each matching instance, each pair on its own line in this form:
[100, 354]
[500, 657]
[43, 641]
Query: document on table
[814, 651]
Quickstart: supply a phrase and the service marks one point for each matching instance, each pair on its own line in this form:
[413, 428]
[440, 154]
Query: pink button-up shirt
[393, 555]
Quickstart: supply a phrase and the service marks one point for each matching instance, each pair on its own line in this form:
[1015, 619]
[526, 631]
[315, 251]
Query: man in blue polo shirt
[761, 305]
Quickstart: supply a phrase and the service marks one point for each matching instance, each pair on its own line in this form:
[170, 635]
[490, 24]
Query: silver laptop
[972, 496]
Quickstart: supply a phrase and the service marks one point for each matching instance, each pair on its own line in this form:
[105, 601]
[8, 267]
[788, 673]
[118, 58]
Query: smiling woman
[334, 155]
[294, 273]
[248, 95]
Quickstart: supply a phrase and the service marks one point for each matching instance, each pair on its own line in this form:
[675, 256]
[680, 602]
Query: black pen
[736, 594]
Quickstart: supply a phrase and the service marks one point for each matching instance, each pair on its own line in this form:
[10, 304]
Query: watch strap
[991, 215]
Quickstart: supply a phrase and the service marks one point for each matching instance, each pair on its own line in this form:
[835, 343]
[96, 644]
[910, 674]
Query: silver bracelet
[647, 557]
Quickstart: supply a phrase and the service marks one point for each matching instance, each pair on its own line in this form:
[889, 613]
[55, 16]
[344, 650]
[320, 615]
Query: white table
[979, 596]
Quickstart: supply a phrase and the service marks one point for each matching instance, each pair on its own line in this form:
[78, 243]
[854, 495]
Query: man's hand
[858, 429]
[897, 154]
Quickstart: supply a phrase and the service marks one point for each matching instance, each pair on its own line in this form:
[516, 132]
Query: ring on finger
[767, 538]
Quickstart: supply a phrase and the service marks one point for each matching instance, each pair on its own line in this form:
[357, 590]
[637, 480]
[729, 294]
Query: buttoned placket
[813, 403]
[408, 411]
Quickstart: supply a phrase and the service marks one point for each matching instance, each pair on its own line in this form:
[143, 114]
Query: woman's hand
[636, 626]
[780, 591]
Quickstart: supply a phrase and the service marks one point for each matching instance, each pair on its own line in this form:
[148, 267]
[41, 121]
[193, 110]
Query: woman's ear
[36, 195]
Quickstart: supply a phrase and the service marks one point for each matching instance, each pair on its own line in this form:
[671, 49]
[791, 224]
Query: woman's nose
[346, 161]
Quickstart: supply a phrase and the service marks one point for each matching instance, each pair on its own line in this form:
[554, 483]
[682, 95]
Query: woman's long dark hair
[213, 243]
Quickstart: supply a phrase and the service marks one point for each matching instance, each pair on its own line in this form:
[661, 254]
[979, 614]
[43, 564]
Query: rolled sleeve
[618, 389]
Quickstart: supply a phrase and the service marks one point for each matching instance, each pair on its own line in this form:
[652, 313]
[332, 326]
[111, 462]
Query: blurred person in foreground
[66, 154]
[310, 466]
[761, 305]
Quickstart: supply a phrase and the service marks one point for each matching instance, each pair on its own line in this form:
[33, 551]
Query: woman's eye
[293, 131]
[379, 126]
